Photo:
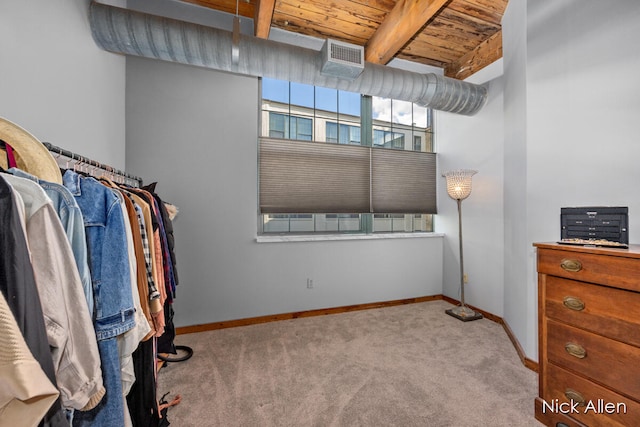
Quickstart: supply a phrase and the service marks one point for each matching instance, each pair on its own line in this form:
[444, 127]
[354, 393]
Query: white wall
[570, 104]
[583, 110]
[57, 84]
[566, 137]
[195, 131]
[520, 311]
[474, 143]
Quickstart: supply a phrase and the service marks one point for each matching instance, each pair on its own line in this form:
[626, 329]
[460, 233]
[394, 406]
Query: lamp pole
[459, 188]
[461, 256]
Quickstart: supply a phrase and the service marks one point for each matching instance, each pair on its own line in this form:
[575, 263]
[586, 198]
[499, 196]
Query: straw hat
[30, 154]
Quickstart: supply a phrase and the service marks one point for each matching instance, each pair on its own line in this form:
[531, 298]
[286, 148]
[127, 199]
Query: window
[290, 127]
[417, 143]
[366, 183]
[342, 133]
[388, 139]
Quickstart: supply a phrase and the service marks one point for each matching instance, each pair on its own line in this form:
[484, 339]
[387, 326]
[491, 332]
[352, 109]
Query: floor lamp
[459, 188]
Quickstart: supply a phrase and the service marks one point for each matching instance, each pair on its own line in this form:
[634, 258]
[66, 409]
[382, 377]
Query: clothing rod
[82, 159]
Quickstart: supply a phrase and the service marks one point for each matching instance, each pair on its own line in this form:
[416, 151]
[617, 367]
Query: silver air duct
[134, 33]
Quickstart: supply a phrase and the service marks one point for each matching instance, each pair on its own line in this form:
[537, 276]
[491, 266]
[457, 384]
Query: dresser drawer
[600, 407]
[606, 268]
[600, 309]
[612, 363]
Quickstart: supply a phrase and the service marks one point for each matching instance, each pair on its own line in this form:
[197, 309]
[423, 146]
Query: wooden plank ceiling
[460, 36]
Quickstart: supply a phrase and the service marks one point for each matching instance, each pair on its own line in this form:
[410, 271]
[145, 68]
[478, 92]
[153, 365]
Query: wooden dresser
[588, 335]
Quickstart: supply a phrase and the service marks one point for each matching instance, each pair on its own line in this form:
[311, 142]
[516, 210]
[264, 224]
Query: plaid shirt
[153, 289]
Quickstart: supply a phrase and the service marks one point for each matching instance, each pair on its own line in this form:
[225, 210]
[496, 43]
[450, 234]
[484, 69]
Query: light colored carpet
[409, 365]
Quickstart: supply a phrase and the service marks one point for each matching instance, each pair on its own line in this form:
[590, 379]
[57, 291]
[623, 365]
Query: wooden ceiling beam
[401, 24]
[486, 53]
[262, 19]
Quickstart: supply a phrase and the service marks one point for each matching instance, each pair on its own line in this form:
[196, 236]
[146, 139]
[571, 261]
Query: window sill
[330, 237]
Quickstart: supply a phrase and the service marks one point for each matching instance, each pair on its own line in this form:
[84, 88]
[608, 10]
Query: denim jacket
[113, 299]
[108, 257]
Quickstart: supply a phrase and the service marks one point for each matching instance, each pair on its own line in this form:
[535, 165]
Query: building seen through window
[301, 112]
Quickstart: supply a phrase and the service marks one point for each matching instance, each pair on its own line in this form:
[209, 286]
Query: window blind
[318, 177]
[403, 181]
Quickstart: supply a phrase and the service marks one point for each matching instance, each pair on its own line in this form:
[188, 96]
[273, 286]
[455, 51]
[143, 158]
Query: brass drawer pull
[573, 303]
[572, 265]
[576, 350]
[575, 396]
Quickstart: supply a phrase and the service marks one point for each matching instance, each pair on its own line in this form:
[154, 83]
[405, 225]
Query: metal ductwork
[139, 34]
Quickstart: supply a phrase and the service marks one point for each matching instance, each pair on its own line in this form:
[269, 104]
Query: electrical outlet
[309, 283]
[466, 278]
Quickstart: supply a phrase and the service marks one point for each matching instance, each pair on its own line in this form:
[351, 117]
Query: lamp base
[463, 313]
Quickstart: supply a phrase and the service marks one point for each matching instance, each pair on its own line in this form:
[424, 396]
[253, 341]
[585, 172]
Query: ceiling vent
[129, 32]
[343, 60]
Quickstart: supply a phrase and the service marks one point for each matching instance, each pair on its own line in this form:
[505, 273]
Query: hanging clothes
[155, 289]
[142, 399]
[129, 341]
[18, 286]
[166, 341]
[109, 265]
[87, 270]
[67, 319]
[71, 219]
[168, 228]
[164, 261]
[139, 256]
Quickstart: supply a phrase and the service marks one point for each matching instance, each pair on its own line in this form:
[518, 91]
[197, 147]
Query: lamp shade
[459, 183]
